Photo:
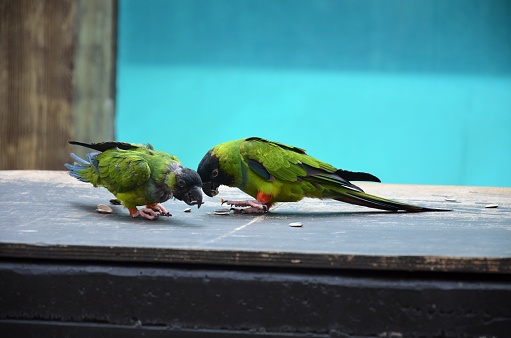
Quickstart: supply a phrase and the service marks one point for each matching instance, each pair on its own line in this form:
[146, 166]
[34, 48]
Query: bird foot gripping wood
[252, 206]
[159, 209]
[150, 212]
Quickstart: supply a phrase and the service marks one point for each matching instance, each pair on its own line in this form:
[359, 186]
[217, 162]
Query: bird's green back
[133, 174]
[287, 173]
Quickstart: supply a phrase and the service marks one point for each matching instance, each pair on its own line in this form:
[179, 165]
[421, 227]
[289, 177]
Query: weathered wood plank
[250, 258]
[68, 298]
[51, 215]
[36, 58]
[94, 72]
[57, 69]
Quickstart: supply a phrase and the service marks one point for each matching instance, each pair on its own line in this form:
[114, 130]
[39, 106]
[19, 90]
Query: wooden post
[45, 54]
[94, 72]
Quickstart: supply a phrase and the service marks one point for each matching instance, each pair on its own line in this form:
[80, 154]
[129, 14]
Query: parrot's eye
[181, 183]
[214, 173]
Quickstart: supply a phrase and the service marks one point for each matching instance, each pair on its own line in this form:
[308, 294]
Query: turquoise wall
[410, 91]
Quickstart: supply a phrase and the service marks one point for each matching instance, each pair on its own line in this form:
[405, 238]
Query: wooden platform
[345, 267]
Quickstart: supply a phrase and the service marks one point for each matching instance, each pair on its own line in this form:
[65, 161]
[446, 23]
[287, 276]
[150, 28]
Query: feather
[259, 169]
[357, 176]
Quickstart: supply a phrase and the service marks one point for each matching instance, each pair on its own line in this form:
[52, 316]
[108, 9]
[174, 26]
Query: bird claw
[150, 212]
[160, 209]
[249, 210]
[252, 206]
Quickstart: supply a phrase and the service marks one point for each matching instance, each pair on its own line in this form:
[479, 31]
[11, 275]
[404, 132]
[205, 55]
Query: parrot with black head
[137, 175]
[273, 172]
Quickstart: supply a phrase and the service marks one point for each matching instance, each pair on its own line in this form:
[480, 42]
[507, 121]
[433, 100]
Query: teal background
[414, 92]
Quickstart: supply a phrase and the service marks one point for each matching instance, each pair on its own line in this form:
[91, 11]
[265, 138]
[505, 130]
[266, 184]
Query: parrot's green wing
[122, 170]
[273, 160]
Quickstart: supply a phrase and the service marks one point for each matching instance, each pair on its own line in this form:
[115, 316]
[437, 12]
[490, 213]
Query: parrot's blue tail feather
[77, 167]
[93, 160]
[79, 159]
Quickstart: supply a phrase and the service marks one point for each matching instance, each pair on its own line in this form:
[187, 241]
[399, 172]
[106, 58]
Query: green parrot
[137, 175]
[274, 172]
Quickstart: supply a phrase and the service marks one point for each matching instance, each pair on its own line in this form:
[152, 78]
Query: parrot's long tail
[371, 201]
[78, 170]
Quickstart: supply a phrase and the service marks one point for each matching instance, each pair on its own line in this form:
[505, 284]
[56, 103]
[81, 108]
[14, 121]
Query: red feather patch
[263, 198]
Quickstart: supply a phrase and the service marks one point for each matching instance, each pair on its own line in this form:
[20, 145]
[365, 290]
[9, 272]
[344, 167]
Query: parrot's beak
[193, 196]
[208, 189]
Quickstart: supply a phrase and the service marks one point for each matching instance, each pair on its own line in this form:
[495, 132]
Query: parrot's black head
[212, 175]
[188, 187]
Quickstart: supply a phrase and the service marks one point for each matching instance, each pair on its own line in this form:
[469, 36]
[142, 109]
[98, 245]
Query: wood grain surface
[48, 214]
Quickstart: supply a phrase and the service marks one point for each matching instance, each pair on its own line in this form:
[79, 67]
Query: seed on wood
[188, 210]
[296, 224]
[491, 206]
[448, 199]
[103, 209]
